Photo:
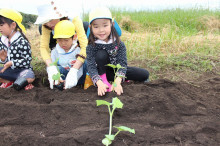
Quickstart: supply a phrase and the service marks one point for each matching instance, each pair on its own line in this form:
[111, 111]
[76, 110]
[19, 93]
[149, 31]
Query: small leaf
[56, 76]
[118, 66]
[116, 103]
[114, 84]
[110, 137]
[111, 65]
[124, 128]
[106, 141]
[102, 102]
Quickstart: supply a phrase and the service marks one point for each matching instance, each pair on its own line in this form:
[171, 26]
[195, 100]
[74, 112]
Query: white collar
[110, 41]
[4, 39]
[15, 36]
[62, 51]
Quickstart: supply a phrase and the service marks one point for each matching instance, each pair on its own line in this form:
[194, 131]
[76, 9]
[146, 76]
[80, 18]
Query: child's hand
[3, 54]
[6, 65]
[102, 88]
[118, 89]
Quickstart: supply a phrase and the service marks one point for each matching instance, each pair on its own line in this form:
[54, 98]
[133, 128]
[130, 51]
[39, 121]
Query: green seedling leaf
[119, 66]
[112, 66]
[56, 76]
[124, 128]
[110, 137]
[106, 141]
[116, 103]
[102, 102]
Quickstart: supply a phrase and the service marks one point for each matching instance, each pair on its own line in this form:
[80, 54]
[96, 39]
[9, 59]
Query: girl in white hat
[105, 47]
[15, 52]
[49, 15]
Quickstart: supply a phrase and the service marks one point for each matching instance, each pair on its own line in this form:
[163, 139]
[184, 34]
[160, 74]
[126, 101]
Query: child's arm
[91, 64]
[6, 66]
[93, 72]
[83, 41]
[23, 55]
[122, 60]
[44, 45]
[3, 55]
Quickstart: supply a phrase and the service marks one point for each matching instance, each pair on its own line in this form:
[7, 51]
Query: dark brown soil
[162, 112]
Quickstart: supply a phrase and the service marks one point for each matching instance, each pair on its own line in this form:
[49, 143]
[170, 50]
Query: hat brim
[22, 27]
[42, 20]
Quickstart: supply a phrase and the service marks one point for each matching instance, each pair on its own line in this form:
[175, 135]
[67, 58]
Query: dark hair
[114, 34]
[4, 20]
[64, 18]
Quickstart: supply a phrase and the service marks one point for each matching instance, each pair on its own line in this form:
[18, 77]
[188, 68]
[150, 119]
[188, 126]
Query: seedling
[57, 76]
[116, 103]
[115, 68]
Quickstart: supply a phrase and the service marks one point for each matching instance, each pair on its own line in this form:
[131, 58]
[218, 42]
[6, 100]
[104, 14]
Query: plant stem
[117, 133]
[110, 120]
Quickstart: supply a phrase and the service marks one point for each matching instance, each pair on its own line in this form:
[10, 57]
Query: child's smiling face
[101, 29]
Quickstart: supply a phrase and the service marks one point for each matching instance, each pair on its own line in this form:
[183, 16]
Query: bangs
[4, 20]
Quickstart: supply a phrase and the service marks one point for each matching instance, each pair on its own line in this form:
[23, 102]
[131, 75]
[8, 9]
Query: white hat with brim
[48, 12]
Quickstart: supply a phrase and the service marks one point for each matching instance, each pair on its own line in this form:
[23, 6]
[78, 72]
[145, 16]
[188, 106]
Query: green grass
[187, 21]
[164, 42]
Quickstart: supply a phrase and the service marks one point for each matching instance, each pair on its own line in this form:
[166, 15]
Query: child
[106, 47]
[49, 15]
[15, 52]
[66, 51]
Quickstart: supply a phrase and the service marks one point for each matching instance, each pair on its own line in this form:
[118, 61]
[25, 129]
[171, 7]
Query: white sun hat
[49, 12]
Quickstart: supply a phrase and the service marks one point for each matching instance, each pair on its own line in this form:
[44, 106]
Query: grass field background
[174, 44]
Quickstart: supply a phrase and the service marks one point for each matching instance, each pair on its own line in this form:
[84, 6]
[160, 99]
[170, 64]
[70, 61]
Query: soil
[162, 112]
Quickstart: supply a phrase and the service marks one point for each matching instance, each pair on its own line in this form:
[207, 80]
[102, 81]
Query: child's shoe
[6, 85]
[105, 81]
[28, 87]
[20, 83]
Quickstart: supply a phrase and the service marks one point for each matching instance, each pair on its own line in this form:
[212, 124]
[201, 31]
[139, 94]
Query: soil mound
[162, 112]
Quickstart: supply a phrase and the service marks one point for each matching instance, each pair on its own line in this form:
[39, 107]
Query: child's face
[6, 29]
[65, 43]
[101, 29]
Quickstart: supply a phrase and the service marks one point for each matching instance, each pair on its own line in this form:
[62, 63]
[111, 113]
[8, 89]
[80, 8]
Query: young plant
[115, 68]
[116, 103]
[57, 76]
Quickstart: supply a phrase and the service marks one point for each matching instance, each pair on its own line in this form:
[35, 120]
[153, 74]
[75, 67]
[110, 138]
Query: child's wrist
[118, 80]
[99, 82]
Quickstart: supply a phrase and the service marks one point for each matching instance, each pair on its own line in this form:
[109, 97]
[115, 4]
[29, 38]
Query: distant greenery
[28, 19]
[187, 21]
